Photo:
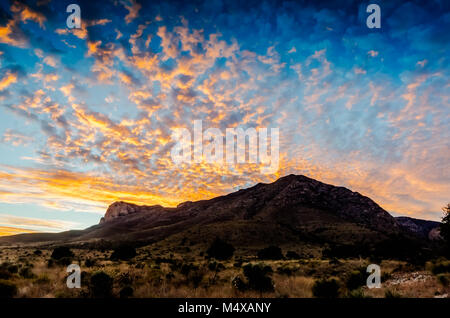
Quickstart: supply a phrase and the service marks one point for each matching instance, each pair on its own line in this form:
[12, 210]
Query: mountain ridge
[294, 210]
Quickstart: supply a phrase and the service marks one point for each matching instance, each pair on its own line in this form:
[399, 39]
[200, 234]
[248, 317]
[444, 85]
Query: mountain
[295, 211]
[422, 228]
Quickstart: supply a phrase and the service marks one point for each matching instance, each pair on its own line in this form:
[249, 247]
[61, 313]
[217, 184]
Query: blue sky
[86, 114]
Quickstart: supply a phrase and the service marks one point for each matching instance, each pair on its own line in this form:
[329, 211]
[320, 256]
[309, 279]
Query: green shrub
[271, 252]
[326, 288]
[101, 285]
[220, 250]
[7, 289]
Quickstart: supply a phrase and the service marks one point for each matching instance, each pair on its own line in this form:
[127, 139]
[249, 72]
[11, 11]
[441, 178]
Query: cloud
[27, 224]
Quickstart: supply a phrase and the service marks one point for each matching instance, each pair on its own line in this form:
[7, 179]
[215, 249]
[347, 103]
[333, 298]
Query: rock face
[118, 209]
[121, 209]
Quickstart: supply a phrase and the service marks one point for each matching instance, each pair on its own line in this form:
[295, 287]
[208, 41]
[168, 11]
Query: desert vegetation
[214, 270]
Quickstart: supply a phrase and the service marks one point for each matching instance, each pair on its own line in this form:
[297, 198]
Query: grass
[157, 272]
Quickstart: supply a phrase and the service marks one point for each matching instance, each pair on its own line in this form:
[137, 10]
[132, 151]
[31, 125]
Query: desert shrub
[89, 262]
[65, 261]
[285, 270]
[292, 255]
[195, 277]
[61, 252]
[4, 273]
[123, 252]
[37, 252]
[124, 279]
[126, 292]
[271, 252]
[356, 293]
[258, 279]
[391, 294]
[326, 288]
[239, 284]
[187, 268]
[101, 285]
[26, 272]
[443, 279]
[220, 250]
[13, 269]
[216, 266]
[238, 263]
[7, 289]
[356, 279]
[441, 267]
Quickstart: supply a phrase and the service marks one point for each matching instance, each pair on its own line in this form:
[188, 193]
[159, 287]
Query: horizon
[87, 114]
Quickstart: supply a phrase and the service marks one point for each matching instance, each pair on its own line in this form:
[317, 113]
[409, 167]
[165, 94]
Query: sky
[86, 115]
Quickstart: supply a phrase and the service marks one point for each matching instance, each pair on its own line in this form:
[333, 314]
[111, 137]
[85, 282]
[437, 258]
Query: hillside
[294, 211]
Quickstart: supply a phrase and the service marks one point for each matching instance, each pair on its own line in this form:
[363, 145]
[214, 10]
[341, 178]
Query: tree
[445, 225]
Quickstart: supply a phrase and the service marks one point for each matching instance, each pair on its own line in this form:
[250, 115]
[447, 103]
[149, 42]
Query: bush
[124, 252]
[239, 284]
[37, 252]
[7, 289]
[62, 252]
[443, 279]
[391, 294]
[89, 262]
[357, 293]
[215, 266]
[441, 267]
[356, 279]
[257, 277]
[26, 272]
[5, 274]
[220, 250]
[271, 252]
[326, 288]
[101, 285]
[126, 292]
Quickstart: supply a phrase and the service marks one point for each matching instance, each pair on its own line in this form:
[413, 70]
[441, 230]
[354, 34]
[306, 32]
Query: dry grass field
[32, 272]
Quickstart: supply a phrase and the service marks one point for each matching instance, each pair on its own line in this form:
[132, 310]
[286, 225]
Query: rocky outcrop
[120, 209]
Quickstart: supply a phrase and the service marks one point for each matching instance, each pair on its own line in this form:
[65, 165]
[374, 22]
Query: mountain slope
[292, 211]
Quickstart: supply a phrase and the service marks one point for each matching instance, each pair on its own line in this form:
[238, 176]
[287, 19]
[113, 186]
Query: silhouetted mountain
[294, 211]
